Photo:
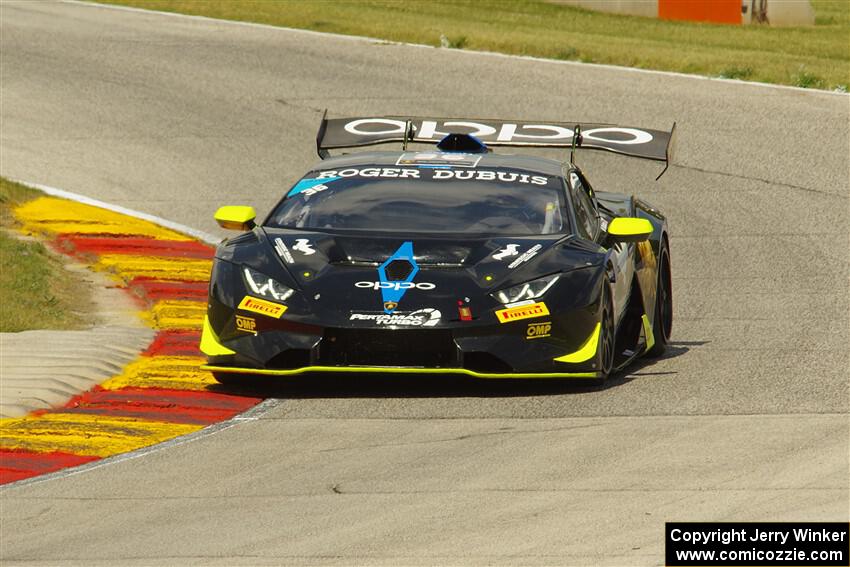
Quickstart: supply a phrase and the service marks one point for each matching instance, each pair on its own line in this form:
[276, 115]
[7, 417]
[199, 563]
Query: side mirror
[628, 229]
[236, 217]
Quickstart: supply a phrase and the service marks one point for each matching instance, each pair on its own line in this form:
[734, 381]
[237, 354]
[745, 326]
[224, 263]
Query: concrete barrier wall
[648, 8]
[790, 13]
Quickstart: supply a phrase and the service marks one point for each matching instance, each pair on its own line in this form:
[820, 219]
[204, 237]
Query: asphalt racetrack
[745, 419]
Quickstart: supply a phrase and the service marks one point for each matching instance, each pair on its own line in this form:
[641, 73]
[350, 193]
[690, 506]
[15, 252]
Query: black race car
[448, 260]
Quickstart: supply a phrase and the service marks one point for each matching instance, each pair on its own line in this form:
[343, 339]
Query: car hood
[391, 274]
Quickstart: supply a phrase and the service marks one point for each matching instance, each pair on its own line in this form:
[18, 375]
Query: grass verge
[36, 292]
[813, 57]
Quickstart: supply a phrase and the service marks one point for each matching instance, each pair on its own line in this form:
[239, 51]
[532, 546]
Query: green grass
[36, 292]
[815, 57]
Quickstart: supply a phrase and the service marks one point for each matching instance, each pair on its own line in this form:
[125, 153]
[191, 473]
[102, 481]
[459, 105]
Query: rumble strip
[162, 394]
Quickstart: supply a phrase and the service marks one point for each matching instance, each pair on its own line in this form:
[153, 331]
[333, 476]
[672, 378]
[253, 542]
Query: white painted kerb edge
[199, 234]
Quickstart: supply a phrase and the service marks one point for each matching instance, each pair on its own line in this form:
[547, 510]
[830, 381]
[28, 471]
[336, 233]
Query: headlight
[265, 286]
[529, 290]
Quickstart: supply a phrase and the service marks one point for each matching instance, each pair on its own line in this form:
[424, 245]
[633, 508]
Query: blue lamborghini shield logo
[401, 263]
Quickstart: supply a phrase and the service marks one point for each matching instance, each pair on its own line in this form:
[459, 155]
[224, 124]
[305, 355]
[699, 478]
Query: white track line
[367, 39]
[199, 234]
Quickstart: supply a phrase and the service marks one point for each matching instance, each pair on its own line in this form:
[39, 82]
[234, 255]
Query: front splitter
[398, 370]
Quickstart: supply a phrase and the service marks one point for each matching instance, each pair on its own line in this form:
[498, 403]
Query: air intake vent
[416, 348]
[464, 143]
[398, 270]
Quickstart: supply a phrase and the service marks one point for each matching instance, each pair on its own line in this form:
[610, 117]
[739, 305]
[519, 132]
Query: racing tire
[662, 326]
[607, 335]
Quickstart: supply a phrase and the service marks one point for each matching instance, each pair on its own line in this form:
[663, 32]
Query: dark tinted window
[585, 212]
[425, 200]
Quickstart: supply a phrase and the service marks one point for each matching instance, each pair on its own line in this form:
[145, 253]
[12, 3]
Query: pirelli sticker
[522, 312]
[262, 307]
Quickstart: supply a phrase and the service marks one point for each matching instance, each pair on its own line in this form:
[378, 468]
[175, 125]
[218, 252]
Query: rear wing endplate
[339, 133]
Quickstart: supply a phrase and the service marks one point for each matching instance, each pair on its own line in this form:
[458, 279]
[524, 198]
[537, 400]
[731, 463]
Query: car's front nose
[453, 330]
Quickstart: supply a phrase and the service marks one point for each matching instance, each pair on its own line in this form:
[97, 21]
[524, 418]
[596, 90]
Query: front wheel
[662, 327]
[606, 335]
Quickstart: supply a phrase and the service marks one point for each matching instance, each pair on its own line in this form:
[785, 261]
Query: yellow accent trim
[86, 434]
[391, 370]
[519, 312]
[647, 331]
[263, 307]
[586, 351]
[210, 345]
[235, 217]
[630, 228]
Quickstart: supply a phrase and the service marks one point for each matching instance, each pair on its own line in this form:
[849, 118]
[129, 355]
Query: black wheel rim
[665, 298]
[607, 341]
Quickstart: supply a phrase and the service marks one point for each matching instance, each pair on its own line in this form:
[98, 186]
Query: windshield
[499, 202]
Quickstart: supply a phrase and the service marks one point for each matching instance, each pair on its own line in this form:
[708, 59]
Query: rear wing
[339, 133]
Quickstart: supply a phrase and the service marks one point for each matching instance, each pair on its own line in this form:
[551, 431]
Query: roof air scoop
[464, 143]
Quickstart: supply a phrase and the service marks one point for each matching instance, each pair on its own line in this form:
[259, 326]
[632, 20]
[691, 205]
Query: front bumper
[514, 350]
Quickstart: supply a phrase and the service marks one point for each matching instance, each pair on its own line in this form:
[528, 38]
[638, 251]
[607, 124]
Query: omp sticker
[508, 250]
[522, 312]
[262, 307]
[538, 330]
[526, 256]
[311, 186]
[246, 324]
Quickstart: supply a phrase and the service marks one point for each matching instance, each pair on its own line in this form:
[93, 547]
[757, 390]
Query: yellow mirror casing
[628, 229]
[236, 217]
